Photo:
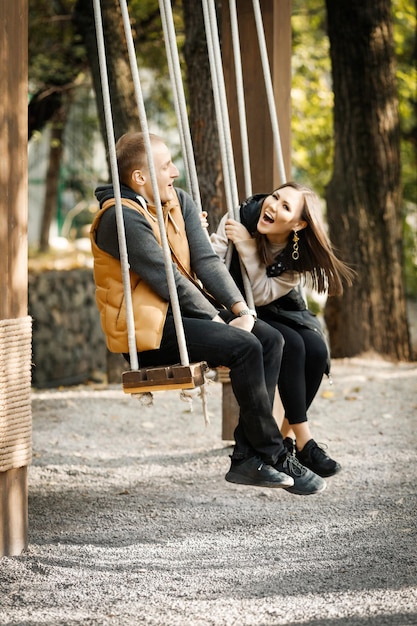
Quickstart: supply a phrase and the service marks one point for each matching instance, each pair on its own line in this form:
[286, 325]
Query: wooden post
[230, 407]
[276, 15]
[13, 238]
[14, 511]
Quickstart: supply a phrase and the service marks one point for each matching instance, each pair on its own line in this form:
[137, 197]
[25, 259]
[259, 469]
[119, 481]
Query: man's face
[165, 171]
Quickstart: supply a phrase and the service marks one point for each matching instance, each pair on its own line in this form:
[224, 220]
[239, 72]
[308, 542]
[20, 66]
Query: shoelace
[294, 466]
[318, 451]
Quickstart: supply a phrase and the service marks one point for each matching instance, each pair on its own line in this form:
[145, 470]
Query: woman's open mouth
[268, 218]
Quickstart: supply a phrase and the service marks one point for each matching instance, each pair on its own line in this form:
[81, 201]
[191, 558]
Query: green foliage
[81, 133]
[58, 64]
[312, 103]
[312, 96]
[410, 261]
[56, 55]
[405, 26]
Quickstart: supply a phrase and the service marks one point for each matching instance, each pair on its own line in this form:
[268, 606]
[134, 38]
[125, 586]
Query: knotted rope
[15, 393]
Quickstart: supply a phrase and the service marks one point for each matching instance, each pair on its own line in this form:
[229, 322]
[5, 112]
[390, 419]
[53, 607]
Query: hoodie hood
[250, 211]
[105, 192]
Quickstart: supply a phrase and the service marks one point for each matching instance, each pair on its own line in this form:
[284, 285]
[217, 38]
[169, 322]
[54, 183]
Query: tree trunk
[123, 100]
[52, 176]
[364, 195]
[203, 122]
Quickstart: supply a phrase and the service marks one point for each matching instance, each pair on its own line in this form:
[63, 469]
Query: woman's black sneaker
[315, 458]
[306, 482]
[255, 472]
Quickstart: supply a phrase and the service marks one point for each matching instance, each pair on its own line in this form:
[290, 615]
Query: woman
[280, 239]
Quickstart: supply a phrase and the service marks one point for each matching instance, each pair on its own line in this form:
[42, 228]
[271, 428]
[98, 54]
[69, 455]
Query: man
[218, 325]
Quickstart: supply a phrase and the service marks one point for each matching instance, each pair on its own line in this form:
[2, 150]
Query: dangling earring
[295, 254]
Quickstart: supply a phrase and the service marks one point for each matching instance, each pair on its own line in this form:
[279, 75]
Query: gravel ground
[131, 520]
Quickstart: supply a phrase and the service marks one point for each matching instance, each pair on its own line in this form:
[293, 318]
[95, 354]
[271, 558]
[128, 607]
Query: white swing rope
[241, 95]
[116, 184]
[222, 115]
[271, 103]
[224, 136]
[118, 203]
[164, 240]
[269, 91]
[174, 67]
[220, 103]
[240, 98]
[124, 262]
[176, 100]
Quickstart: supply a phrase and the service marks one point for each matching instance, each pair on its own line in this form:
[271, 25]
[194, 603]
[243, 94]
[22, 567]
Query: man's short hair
[131, 154]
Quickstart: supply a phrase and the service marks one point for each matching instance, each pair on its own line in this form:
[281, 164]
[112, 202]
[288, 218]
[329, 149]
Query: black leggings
[303, 364]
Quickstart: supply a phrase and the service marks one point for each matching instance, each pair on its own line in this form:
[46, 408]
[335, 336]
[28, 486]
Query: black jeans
[254, 360]
[304, 362]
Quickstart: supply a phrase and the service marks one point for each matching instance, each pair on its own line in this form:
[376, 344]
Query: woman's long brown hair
[317, 261]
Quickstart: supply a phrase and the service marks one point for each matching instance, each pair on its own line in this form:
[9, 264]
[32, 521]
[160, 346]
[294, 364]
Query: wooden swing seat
[164, 378]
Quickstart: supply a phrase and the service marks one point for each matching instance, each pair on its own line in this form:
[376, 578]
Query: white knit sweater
[265, 289]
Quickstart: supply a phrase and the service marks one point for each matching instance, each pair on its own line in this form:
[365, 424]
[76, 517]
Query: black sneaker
[254, 471]
[315, 458]
[306, 482]
[289, 443]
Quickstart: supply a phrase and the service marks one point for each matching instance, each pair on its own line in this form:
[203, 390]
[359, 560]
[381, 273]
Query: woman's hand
[235, 231]
[246, 322]
[203, 219]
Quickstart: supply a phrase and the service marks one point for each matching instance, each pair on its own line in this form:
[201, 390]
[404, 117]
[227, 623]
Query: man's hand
[245, 317]
[235, 231]
[245, 322]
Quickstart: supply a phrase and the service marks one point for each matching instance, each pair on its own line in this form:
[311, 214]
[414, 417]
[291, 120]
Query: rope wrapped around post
[15, 393]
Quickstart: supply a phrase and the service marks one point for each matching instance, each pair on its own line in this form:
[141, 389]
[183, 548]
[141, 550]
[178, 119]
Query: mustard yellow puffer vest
[149, 309]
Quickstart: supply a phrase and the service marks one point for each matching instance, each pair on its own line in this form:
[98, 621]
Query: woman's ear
[301, 225]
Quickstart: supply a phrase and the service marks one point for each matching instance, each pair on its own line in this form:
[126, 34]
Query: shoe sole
[333, 473]
[238, 479]
[327, 474]
[298, 492]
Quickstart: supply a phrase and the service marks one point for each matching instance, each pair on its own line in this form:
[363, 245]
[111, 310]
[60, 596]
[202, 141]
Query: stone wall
[68, 343]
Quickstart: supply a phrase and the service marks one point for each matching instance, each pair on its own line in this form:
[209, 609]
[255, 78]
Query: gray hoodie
[146, 257]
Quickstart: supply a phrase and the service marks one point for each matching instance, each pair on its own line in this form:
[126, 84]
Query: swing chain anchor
[202, 377]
